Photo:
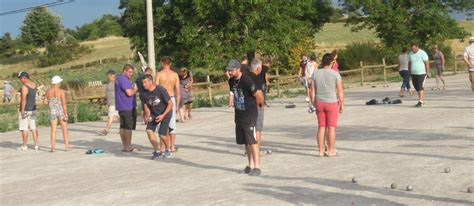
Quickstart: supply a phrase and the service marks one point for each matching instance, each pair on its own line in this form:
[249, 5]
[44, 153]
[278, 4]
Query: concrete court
[379, 145]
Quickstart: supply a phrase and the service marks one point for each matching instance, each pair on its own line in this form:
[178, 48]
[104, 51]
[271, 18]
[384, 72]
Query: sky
[77, 13]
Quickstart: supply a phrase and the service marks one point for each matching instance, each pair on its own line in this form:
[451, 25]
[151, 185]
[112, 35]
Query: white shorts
[112, 111]
[28, 123]
[172, 125]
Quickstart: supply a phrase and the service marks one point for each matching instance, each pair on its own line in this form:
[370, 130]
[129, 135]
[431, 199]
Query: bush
[203, 101]
[293, 58]
[85, 112]
[368, 52]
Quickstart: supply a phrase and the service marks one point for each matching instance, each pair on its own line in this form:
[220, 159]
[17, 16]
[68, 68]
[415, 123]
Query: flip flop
[175, 149]
[131, 150]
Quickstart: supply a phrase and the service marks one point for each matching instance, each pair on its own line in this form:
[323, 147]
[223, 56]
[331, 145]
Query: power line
[52, 4]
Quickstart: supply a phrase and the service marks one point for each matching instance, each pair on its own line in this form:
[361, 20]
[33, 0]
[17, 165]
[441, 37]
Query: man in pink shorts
[329, 102]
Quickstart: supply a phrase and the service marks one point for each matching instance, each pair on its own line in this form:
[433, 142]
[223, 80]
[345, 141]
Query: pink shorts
[327, 113]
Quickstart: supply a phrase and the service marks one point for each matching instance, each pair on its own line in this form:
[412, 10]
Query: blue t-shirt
[123, 102]
[156, 100]
[417, 62]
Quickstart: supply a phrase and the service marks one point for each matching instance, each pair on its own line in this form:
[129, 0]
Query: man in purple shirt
[125, 104]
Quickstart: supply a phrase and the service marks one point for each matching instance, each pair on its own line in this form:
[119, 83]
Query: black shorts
[164, 126]
[128, 119]
[245, 134]
[418, 81]
[142, 103]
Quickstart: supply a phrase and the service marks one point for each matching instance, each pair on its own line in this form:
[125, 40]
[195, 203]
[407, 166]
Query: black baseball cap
[23, 74]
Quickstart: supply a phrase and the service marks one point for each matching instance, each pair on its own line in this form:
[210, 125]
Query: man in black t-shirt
[141, 90]
[247, 96]
[157, 108]
[265, 79]
[244, 65]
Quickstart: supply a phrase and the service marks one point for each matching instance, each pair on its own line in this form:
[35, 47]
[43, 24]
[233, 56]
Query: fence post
[209, 89]
[361, 73]
[75, 112]
[455, 65]
[100, 60]
[278, 81]
[384, 71]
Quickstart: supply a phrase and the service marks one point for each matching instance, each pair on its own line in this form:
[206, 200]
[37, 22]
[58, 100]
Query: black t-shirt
[262, 75]
[244, 68]
[303, 67]
[156, 100]
[245, 104]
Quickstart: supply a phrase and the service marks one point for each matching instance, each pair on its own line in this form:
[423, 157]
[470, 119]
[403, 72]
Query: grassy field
[338, 35]
[109, 47]
[334, 36]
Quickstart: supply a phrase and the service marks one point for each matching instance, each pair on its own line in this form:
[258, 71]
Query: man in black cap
[27, 115]
[248, 97]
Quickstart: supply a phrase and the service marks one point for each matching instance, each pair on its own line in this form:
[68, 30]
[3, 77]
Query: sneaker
[23, 148]
[307, 99]
[247, 170]
[419, 104]
[255, 172]
[155, 155]
[167, 154]
[36, 147]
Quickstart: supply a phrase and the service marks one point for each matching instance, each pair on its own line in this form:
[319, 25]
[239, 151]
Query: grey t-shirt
[403, 60]
[110, 94]
[437, 59]
[7, 89]
[326, 80]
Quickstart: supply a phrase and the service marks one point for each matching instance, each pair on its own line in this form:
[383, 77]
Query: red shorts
[327, 113]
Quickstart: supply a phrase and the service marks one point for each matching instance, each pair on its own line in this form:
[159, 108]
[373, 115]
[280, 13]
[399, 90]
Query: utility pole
[150, 36]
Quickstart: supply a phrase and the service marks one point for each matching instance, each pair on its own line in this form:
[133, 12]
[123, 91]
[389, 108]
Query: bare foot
[52, 150]
[332, 153]
[67, 148]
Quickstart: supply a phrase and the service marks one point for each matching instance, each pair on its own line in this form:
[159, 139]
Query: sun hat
[56, 80]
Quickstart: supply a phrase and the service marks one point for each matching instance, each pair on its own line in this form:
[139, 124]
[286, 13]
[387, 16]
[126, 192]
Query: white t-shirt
[469, 54]
[310, 68]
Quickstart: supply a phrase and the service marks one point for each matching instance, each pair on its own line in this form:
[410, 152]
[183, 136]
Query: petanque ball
[447, 170]
[470, 189]
[393, 186]
[354, 180]
[269, 151]
[409, 188]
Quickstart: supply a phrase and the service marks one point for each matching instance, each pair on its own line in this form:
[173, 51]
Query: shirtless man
[169, 79]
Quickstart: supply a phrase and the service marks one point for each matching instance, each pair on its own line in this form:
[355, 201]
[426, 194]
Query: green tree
[207, 34]
[108, 25]
[399, 22]
[40, 27]
[6, 45]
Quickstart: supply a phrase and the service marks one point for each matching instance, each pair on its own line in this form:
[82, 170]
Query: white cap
[56, 80]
